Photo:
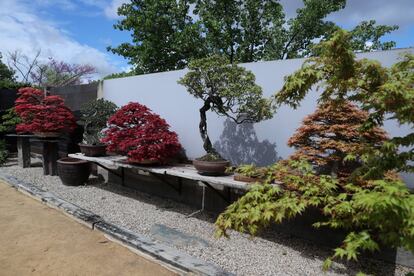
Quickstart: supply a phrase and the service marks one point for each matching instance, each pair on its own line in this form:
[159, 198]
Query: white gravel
[278, 254]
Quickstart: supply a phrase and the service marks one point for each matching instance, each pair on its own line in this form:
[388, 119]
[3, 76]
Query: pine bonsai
[94, 117]
[228, 90]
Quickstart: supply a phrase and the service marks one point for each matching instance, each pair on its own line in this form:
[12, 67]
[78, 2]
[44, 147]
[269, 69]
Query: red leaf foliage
[332, 132]
[41, 113]
[141, 135]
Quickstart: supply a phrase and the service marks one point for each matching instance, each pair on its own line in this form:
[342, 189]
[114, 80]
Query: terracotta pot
[47, 134]
[92, 150]
[211, 168]
[248, 179]
[73, 171]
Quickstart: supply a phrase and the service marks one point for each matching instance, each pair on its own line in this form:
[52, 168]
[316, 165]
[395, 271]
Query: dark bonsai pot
[211, 168]
[73, 171]
[92, 150]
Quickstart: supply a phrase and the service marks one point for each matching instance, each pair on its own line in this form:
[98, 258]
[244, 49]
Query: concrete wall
[261, 143]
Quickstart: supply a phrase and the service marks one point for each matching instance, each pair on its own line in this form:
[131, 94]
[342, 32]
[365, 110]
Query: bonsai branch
[208, 147]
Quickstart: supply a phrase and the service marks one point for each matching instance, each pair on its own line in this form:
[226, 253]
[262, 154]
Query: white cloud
[21, 29]
[111, 11]
[400, 12]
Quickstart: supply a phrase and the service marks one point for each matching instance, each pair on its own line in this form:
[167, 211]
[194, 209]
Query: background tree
[52, 73]
[330, 134]
[164, 36]
[167, 34]
[6, 73]
[367, 36]
[228, 90]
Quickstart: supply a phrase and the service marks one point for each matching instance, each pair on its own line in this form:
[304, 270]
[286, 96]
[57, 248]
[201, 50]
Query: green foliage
[249, 171]
[230, 90]
[163, 33]
[167, 34]
[94, 117]
[382, 213]
[3, 152]
[373, 206]
[9, 121]
[226, 89]
[119, 75]
[387, 92]
[7, 77]
[366, 36]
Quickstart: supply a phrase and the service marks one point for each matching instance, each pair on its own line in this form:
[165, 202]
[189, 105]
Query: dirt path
[38, 240]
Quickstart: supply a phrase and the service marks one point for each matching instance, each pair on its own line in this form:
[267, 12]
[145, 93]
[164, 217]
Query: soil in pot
[73, 171]
[93, 150]
[211, 168]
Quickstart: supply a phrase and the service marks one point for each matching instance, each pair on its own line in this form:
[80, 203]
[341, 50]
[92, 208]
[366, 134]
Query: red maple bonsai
[141, 135]
[332, 133]
[40, 113]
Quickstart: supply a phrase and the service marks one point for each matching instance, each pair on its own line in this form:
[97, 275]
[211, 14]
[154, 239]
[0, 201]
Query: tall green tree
[6, 73]
[164, 36]
[167, 34]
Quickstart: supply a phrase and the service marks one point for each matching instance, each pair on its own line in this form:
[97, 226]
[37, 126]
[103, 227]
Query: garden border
[133, 241]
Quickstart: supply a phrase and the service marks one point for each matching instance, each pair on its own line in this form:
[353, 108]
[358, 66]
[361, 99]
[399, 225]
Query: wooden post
[23, 151]
[50, 156]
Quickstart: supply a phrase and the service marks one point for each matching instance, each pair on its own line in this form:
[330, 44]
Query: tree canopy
[167, 34]
[226, 89]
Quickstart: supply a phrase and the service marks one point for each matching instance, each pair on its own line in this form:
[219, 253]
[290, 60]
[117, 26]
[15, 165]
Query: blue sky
[79, 31]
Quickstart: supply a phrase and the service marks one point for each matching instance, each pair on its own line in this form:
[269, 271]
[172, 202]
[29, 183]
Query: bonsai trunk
[208, 147]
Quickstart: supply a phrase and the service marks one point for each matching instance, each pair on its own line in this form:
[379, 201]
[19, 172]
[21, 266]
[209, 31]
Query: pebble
[278, 254]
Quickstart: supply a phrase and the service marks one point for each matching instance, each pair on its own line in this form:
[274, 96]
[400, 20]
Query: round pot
[211, 168]
[73, 171]
[47, 134]
[248, 179]
[92, 150]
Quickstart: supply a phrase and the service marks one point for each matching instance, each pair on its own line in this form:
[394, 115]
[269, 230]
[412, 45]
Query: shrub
[94, 118]
[140, 134]
[40, 113]
[9, 121]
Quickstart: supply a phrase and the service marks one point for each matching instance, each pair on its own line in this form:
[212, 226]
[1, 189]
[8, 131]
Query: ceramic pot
[211, 168]
[73, 171]
[92, 150]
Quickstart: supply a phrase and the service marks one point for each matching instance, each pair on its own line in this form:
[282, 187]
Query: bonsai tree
[40, 113]
[94, 117]
[9, 121]
[331, 134]
[141, 135]
[226, 89]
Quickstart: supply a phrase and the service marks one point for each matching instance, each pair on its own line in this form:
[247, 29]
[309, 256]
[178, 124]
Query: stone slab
[172, 236]
[160, 251]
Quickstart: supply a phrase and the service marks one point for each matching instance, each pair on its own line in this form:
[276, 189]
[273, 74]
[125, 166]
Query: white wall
[163, 95]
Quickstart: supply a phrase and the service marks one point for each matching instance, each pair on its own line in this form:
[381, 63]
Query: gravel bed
[278, 254]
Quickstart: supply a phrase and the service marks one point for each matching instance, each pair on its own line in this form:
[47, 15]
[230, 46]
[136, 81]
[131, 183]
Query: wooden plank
[180, 170]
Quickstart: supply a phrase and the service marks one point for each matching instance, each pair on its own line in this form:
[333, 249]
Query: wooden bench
[182, 171]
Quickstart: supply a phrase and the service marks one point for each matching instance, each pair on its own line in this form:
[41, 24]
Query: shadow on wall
[239, 144]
